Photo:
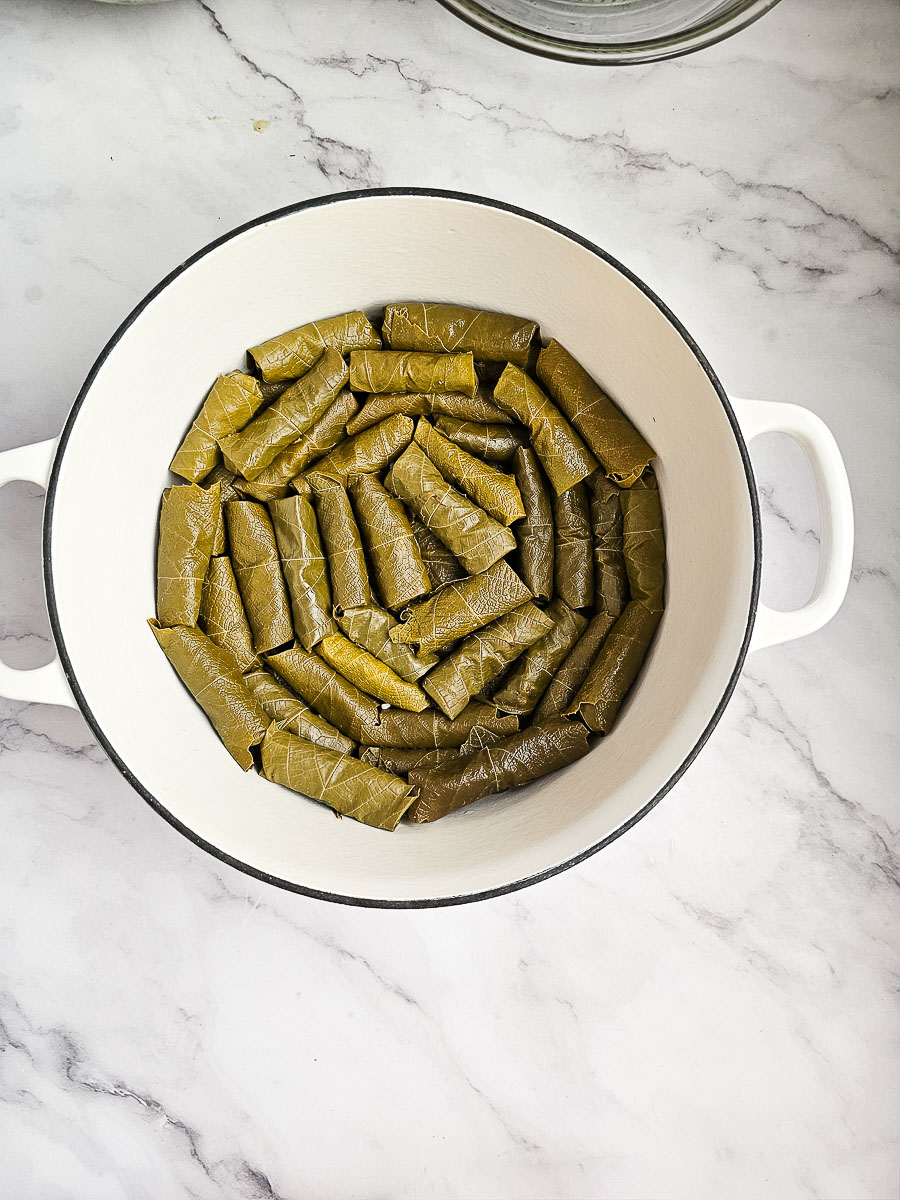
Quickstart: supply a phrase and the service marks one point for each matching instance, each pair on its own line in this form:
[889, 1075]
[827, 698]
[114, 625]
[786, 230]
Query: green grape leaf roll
[352, 788]
[614, 440]
[521, 758]
[492, 336]
[409, 371]
[291, 354]
[188, 519]
[212, 676]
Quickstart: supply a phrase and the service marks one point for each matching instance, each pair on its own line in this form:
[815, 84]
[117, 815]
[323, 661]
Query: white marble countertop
[708, 1007]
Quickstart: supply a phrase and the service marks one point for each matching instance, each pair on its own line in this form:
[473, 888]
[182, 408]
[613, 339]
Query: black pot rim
[246, 868]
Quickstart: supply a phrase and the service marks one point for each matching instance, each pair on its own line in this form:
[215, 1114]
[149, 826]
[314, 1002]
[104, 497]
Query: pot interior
[360, 252]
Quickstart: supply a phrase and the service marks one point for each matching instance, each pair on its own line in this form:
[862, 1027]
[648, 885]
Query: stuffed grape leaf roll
[369, 626]
[400, 761]
[431, 729]
[644, 544]
[370, 674]
[492, 442]
[409, 371]
[613, 439]
[476, 539]
[488, 487]
[573, 577]
[294, 412]
[188, 519]
[522, 758]
[492, 336]
[352, 788]
[615, 668]
[343, 545]
[370, 451]
[212, 676]
[534, 535]
[610, 577]
[257, 569]
[290, 354]
[290, 713]
[532, 673]
[303, 565]
[324, 435]
[232, 403]
[563, 454]
[426, 404]
[393, 553]
[468, 669]
[222, 616]
[462, 607]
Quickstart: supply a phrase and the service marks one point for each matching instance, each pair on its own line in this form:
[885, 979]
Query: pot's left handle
[42, 685]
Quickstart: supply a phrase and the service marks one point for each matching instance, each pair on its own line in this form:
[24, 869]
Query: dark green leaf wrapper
[291, 354]
[466, 671]
[610, 577]
[573, 574]
[324, 435]
[409, 371]
[370, 626]
[644, 544]
[290, 713]
[212, 676]
[233, 401]
[488, 487]
[522, 758]
[534, 535]
[393, 552]
[461, 608]
[476, 539]
[295, 411]
[533, 672]
[257, 569]
[430, 729]
[494, 337]
[563, 454]
[426, 404]
[303, 565]
[352, 788]
[343, 545]
[614, 440]
[326, 691]
[188, 519]
[222, 616]
[492, 442]
[575, 668]
[370, 451]
[615, 668]
[400, 762]
[442, 565]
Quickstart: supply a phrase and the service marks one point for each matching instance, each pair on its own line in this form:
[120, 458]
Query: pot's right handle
[47, 684]
[836, 514]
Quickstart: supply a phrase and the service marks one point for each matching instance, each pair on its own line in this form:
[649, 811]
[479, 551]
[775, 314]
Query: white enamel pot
[105, 474]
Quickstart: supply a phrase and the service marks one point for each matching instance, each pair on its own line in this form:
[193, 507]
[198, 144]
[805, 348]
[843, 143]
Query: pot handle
[836, 513]
[47, 684]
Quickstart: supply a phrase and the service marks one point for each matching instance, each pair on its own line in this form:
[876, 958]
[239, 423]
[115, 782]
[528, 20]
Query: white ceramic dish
[360, 250]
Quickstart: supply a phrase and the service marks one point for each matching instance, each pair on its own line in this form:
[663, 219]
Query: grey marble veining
[709, 1007]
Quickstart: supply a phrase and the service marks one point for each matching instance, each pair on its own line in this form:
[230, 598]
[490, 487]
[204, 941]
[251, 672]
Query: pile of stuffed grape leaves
[410, 561]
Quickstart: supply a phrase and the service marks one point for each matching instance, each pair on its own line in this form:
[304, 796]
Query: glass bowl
[610, 32]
